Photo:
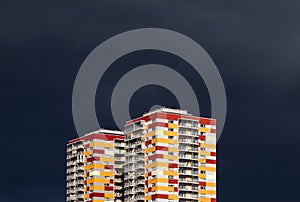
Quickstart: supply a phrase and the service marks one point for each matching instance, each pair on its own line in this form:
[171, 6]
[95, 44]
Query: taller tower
[174, 153]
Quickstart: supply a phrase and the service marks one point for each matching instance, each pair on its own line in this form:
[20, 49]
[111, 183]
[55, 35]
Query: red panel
[213, 130]
[108, 166]
[156, 124]
[213, 200]
[173, 165]
[73, 141]
[96, 195]
[148, 142]
[156, 156]
[98, 151]
[173, 117]
[111, 181]
[160, 115]
[202, 184]
[190, 118]
[213, 153]
[172, 181]
[91, 159]
[162, 196]
[207, 121]
[109, 137]
[212, 122]
[108, 188]
[211, 161]
[145, 118]
[161, 148]
[202, 137]
[176, 189]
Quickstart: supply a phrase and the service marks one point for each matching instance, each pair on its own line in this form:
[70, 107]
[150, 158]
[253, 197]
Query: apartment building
[174, 153]
[95, 167]
[75, 171]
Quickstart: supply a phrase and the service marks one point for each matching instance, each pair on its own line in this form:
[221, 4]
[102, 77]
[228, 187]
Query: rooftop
[168, 110]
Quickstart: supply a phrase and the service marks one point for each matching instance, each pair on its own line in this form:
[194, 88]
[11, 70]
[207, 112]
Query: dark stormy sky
[255, 44]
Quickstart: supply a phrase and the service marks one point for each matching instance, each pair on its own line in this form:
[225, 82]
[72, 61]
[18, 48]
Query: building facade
[166, 155]
[95, 167]
[174, 153]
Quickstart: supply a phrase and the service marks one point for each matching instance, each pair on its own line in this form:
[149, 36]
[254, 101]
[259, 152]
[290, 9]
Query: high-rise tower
[174, 153]
[95, 167]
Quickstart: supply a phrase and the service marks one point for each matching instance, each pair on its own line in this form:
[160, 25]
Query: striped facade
[99, 158]
[166, 155]
[179, 152]
[75, 171]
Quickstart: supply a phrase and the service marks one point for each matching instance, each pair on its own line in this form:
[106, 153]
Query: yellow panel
[88, 152]
[101, 144]
[211, 146]
[102, 173]
[211, 184]
[162, 188]
[205, 191]
[150, 134]
[173, 197]
[207, 168]
[89, 167]
[109, 195]
[107, 159]
[204, 200]
[162, 140]
[151, 149]
[100, 180]
[170, 133]
[169, 172]
[155, 180]
[172, 125]
[173, 149]
[155, 164]
[206, 130]
[205, 153]
[171, 157]
[96, 188]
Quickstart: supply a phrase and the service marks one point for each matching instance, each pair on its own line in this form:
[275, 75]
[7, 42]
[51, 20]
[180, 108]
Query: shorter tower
[94, 167]
[75, 170]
